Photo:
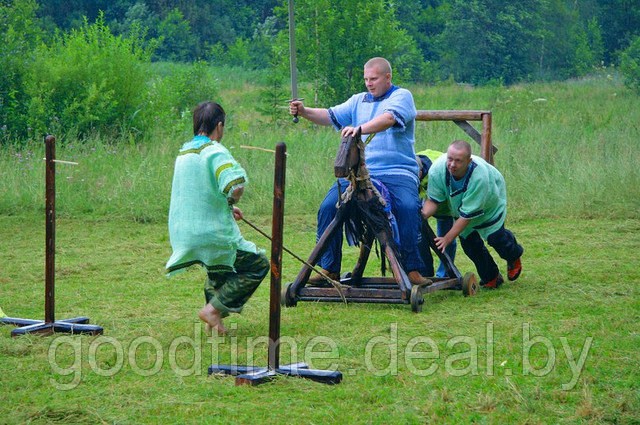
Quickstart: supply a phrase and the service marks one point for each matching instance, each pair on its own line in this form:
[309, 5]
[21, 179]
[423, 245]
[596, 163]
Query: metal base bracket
[254, 375]
[77, 325]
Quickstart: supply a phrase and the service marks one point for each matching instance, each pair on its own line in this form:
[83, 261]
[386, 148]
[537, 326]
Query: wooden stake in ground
[77, 325]
[253, 375]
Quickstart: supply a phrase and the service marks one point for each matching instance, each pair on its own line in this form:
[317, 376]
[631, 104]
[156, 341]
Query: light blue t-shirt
[390, 152]
[457, 185]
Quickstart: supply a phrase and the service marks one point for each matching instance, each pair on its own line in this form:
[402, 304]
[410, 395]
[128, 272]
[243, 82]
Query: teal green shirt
[481, 196]
[202, 229]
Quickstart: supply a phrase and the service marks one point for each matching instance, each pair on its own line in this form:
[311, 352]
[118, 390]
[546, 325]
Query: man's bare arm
[376, 125]
[319, 116]
[458, 226]
[429, 208]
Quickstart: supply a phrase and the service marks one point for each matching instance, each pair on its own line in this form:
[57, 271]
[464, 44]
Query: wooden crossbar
[460, 118]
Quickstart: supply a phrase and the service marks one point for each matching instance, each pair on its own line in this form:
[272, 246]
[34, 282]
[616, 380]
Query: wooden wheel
[286, 299]
[416, 299]
[469, 284]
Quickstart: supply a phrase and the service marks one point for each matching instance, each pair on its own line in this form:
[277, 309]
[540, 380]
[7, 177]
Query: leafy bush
[170, 98]
[19, 36]
[88, 80]
[630, 65]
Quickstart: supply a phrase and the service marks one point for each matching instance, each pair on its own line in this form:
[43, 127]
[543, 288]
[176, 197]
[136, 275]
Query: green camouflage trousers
[228, 291]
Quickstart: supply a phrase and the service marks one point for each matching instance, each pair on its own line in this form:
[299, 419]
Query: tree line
[75, 57]
[473, 41]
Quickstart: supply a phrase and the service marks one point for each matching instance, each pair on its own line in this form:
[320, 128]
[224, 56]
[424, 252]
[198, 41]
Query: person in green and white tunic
[477, 196]
[207, 182]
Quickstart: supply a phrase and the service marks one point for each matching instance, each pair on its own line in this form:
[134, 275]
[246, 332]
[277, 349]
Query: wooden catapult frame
[396, 289]
[461, 119]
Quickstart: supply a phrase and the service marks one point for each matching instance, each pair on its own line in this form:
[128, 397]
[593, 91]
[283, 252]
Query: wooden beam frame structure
[461, 118]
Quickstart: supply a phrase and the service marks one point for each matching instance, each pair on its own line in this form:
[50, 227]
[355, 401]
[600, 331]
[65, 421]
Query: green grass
[579, 282]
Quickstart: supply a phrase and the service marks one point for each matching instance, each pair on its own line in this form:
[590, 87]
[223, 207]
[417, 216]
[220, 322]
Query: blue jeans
[405, 206]
[443, 225]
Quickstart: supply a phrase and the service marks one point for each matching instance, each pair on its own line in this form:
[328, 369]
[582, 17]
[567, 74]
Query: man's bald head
[377, 76]
[458, 158]
[383, 65]
[462, 145]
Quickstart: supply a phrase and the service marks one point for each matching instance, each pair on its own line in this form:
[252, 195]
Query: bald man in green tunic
[476, 194]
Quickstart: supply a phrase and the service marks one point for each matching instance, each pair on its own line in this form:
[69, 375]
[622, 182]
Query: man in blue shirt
[389, 112]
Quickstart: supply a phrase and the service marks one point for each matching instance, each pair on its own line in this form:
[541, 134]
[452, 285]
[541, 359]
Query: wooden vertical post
[487, 152]
[252, 375]
[276, 257]
[50, 230]
[77, 325]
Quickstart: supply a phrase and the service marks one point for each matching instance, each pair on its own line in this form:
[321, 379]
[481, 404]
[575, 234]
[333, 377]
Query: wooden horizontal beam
[433, 115]
[350, 292]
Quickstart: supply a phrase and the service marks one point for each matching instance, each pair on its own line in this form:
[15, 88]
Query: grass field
[579, 289]
[559, 345]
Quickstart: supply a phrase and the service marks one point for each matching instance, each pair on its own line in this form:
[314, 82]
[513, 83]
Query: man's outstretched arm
[375, 125]
[319, 116]
[458, 226]
[428, 209]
